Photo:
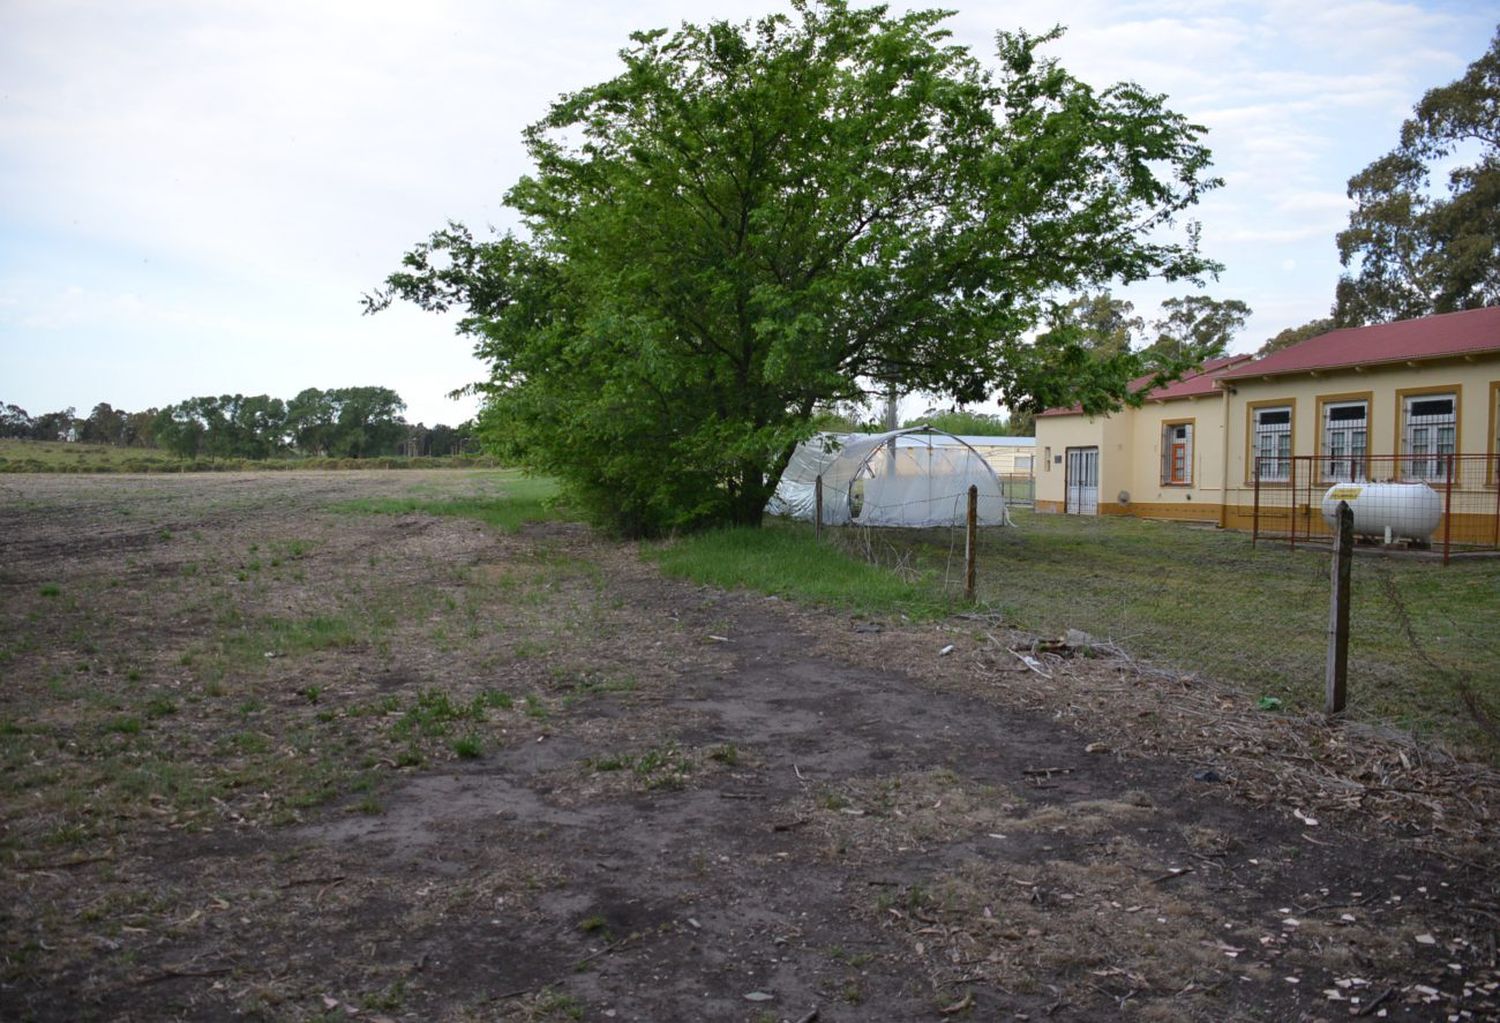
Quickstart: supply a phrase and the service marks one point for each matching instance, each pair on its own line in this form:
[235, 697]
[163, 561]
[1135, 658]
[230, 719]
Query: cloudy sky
[194, 194]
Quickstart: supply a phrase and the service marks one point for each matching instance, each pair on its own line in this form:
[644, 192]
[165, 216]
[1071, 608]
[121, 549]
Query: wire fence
[1199, 601]
[1446, 502]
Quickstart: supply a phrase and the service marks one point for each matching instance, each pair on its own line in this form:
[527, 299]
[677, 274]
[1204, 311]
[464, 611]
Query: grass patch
[1204, 600]
[515, 501]
[786, 561]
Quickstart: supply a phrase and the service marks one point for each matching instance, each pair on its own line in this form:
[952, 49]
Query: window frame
[1167, 465]
[1404, 457]
[1493, 476]
[1252, 409]
[1324, 459]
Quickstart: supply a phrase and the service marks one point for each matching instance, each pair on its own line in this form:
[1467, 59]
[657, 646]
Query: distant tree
[1295, 335]
[178, 429]
[367, 421]
[55, 425]
[258, 425]
[104, 425]
[965, 423]
[1195, 329]
[445, 440]
[1101, 323]
[15, 422]
[311, 418]
[1407, 251]
[139, 428]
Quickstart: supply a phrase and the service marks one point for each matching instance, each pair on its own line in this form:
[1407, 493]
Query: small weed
[311, 693]
[369, 806]
[727, 754]
[556, 1004]
[134, 675]
[50, 590]
[493, 698]
[468, 748]
[593, 925]
[833, 801]
[160, 707]
[535, 707]
[124, 726]
[249, 742]
[388, 999]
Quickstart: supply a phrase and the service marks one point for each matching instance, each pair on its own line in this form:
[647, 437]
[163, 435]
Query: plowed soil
[267, 757]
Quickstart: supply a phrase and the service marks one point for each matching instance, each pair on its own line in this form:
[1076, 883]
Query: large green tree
[1106, 325]
[1411, 250]
[1194, 329]
[754, 221]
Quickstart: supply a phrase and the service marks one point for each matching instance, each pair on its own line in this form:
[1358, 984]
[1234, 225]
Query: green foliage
[1412, 252]
[1101, 323]
[346, 422]
[978, 424]
[755, 222]
[1295, 336]
[1195, 329]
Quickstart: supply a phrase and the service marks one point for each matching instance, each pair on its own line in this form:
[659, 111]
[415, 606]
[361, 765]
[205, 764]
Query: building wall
[1130, 459]
[1221, 489]
[1004, 458]
[1152, 493]
[1054, 435]
[1476, 383]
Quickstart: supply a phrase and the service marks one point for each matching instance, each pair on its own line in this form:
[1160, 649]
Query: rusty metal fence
[1449, 503]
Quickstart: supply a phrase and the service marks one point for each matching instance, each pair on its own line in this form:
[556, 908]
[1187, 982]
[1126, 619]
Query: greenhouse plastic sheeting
[916, 477]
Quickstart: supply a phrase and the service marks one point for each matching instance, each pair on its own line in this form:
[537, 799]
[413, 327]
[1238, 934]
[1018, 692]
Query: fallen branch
[172, 973]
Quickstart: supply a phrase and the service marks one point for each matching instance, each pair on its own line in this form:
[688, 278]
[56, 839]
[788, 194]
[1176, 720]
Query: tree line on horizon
[342, 422]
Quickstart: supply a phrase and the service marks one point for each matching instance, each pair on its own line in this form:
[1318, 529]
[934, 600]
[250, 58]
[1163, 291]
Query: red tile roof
[1431, 337]
[1193, 385]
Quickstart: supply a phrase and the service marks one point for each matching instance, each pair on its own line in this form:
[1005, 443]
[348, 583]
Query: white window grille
[1346, 434]
[1429, 431]
[1273, 443]
[1177, 453]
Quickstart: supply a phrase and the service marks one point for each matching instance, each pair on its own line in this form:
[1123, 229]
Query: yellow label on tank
[1345, 493]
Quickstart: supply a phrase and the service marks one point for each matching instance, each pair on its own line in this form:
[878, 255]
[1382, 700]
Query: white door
[1082, 481]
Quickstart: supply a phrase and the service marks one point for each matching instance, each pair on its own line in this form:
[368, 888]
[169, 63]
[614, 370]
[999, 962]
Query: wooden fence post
[818, 507]
[972, 543]
[1337, 680]
[1255, 515]
[1448, 513]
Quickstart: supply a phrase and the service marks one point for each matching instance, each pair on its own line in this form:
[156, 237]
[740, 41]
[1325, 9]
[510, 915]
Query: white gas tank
[1410, 510]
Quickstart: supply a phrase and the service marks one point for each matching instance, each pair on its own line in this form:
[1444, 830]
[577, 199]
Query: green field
[58, 456]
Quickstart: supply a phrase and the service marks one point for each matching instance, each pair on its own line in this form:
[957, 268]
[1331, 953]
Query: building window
[1272, 449]
[1023, 463]
[1345, 440]
[1177, 454]
[1047, 459]
[1429, 433]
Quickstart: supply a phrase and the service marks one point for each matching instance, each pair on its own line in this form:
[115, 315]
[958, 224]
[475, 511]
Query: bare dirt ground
[265, 758]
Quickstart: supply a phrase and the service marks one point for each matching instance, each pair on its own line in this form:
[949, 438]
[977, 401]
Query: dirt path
[685, 804]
